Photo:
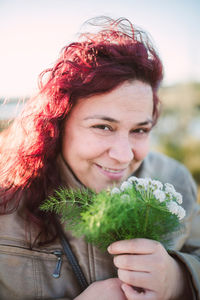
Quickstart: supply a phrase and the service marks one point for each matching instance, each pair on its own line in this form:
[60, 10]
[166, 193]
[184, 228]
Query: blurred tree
[177, 133]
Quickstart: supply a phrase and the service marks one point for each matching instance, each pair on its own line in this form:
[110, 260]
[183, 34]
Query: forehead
[126, 99]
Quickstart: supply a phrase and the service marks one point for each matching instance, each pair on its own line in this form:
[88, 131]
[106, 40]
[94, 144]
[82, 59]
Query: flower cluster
[154, 188]
[139, 208]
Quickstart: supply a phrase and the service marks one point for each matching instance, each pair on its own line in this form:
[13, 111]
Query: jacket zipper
[56, 273]
[57, 253]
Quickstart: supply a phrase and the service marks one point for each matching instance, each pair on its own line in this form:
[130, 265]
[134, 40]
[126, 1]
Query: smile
[111, 174]
[111, 170]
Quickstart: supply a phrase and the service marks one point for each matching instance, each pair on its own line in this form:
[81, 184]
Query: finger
[134, 246]
[134, 294]
[139, 279]
[144, 263]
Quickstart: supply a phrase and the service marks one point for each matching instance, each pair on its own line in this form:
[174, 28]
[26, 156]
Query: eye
[103, 127]
[141, 131]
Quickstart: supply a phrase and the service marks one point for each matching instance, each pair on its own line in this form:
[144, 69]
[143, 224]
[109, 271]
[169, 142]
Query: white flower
[157, 184]
[148, 180]
[181, 212]
[125, 185]
[132, 179]
[173, 207]
[176, 209]
[143, 183]
[179, 198]
[115, 190]
[125, 198]
[171, 193]
[169, 188]
[159, 195]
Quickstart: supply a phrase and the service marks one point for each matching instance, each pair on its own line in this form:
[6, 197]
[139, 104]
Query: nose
[121, 150]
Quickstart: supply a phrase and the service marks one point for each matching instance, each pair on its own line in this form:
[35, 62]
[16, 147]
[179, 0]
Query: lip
[111, 173]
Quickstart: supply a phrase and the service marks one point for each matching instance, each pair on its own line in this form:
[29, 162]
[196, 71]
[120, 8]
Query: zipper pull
[56, 273]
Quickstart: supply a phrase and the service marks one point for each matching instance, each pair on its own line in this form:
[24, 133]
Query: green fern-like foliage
[133, 211]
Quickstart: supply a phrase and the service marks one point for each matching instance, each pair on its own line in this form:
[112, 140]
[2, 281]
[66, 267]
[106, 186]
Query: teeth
[111, 170]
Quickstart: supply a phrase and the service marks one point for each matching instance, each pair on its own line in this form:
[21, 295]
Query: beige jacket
[28, 274]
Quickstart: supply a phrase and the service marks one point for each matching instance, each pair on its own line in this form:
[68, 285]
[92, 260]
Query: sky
[32, 32]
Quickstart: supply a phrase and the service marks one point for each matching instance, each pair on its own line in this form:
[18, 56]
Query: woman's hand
[146, 265]
[103, 290]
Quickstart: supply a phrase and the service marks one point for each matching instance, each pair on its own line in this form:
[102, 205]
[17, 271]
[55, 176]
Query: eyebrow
[105, 118]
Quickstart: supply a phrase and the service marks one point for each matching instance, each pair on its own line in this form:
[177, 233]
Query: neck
[68, 178]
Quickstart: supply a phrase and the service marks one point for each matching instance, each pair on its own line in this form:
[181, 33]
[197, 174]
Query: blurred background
[32, 32]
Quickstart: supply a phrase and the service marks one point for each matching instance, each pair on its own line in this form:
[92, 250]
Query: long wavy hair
[97, 63]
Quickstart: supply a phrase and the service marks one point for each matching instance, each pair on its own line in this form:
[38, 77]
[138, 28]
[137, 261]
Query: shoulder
[164, 168]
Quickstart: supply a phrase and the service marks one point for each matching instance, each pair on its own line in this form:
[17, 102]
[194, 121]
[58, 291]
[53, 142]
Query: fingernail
[109, 248]
[123, 287]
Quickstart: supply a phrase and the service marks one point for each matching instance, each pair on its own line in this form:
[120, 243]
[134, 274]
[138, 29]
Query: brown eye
[103, 127]
[141, 131]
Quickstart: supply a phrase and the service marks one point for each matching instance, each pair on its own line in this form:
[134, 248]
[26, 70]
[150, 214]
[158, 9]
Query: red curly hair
[97, 63]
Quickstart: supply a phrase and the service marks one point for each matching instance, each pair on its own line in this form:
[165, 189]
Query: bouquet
[139, 208]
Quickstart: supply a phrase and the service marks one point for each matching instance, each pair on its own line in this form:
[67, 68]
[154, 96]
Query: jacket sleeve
[189, 252]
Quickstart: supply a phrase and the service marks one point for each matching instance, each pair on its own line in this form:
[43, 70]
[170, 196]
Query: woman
[90, 126]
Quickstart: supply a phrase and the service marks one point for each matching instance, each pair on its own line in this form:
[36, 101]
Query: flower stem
[146, 218]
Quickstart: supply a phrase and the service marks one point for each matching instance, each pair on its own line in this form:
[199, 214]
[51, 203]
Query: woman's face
[106, 136]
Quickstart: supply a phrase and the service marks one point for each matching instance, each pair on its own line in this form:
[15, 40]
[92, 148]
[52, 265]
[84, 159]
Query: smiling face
[106, 137]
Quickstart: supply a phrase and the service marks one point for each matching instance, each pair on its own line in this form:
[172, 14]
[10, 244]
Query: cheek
[141, 149]
[92, 149]
[83, 147]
